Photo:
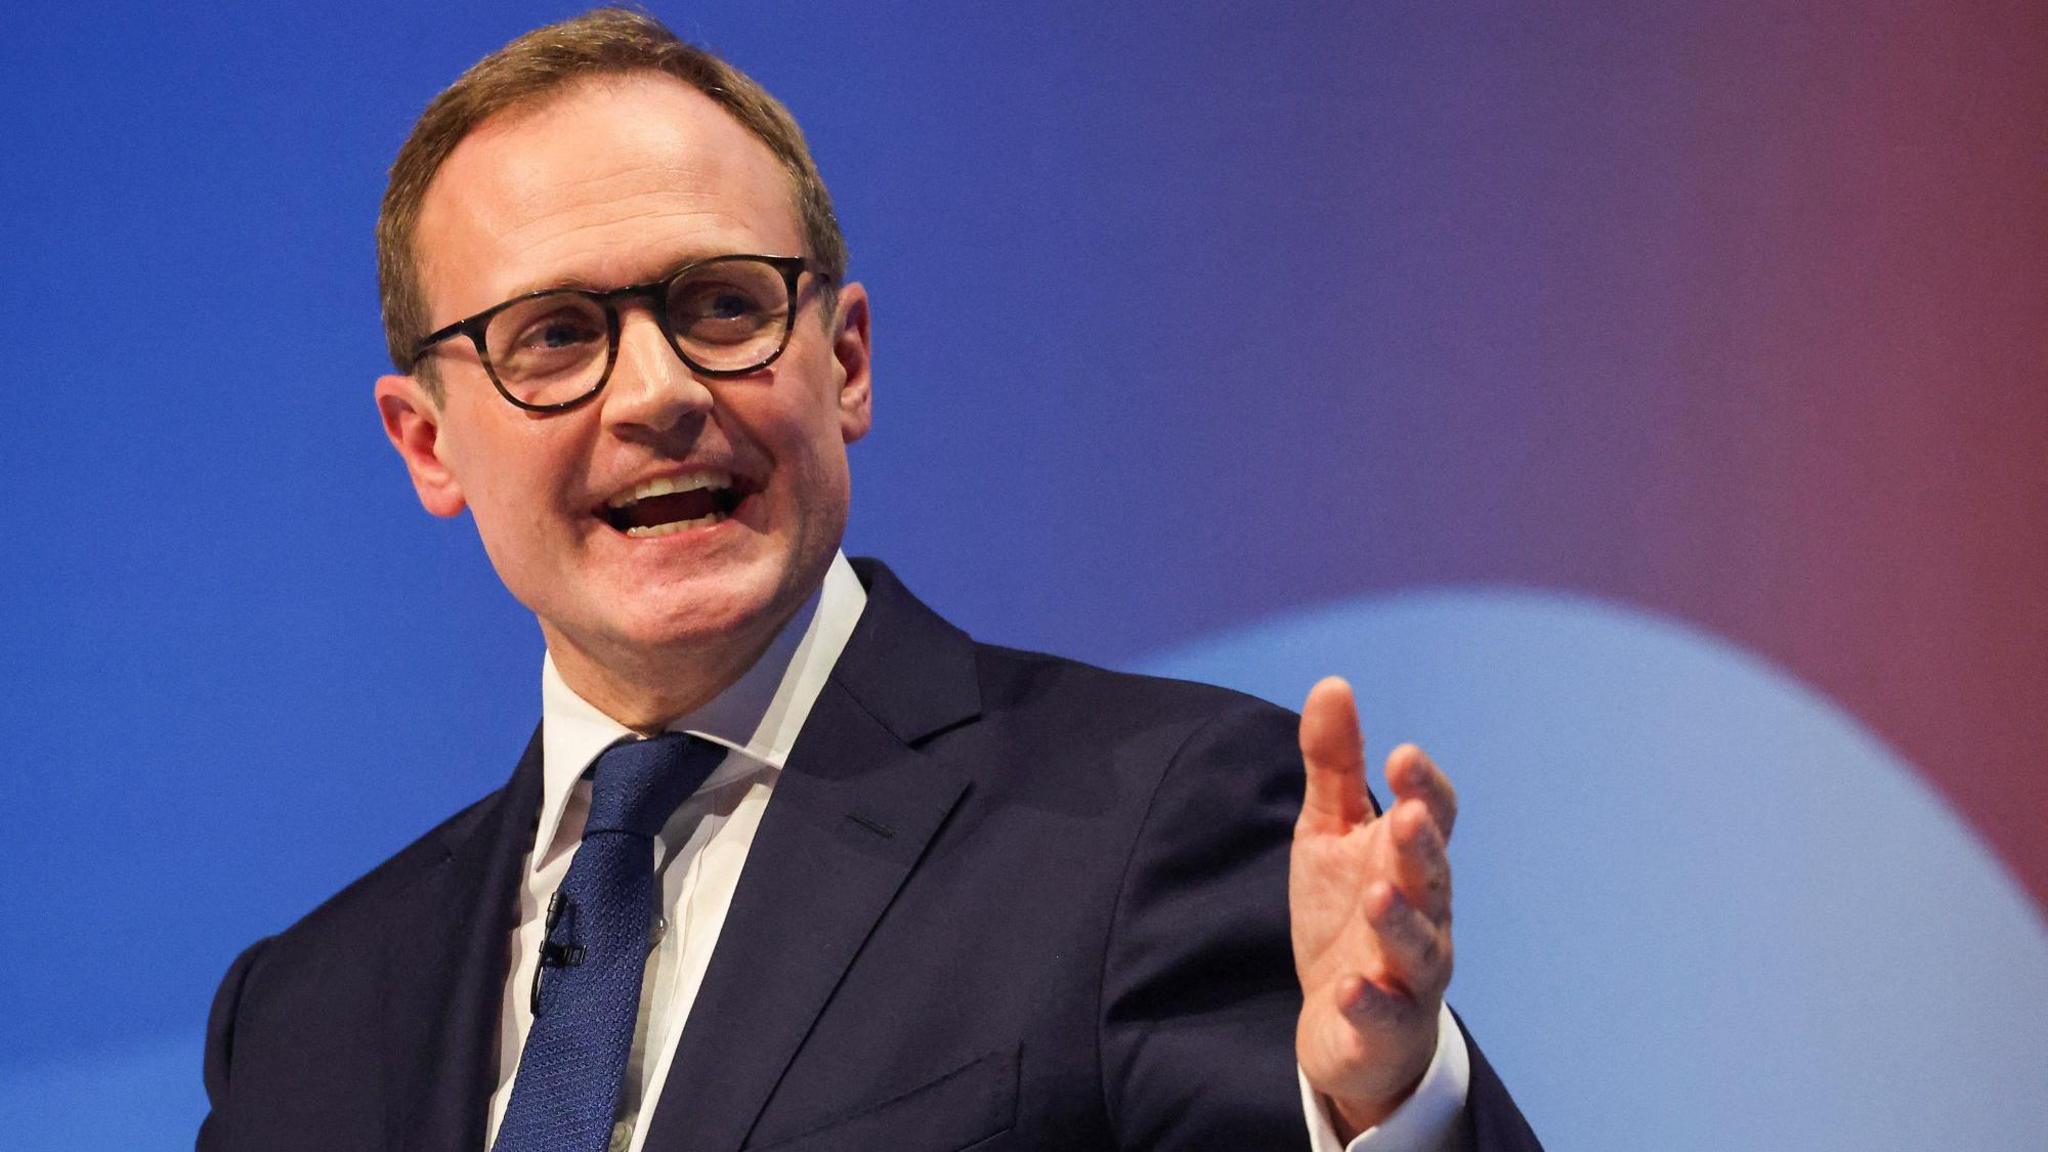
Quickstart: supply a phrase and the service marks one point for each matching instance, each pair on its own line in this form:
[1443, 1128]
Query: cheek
[803, 442]
[823, 501]
[817, 460]
[513, 484]
[809, 493]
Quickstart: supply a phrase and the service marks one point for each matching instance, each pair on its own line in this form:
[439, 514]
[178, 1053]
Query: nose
[650, 386]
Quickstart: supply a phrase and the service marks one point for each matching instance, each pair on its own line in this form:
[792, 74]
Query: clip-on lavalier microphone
[556, 953]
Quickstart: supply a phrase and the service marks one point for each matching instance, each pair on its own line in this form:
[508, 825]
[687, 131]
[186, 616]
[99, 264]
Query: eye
[547, 335]
[565, 329]
[714, 303]
[727, 307]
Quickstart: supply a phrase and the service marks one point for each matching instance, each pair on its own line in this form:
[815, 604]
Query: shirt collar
[757, 717]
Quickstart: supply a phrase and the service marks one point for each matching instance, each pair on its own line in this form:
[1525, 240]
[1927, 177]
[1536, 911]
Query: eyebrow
[584, 284]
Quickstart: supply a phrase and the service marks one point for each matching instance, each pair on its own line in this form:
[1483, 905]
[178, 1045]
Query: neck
[644, 691]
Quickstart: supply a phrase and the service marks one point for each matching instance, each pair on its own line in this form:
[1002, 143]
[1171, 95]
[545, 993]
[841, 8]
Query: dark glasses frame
[655, 292]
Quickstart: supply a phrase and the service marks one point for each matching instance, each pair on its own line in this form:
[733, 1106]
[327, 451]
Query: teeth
[668, 484]
[675, 526]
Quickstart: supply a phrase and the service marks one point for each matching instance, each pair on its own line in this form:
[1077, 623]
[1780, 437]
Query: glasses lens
[550, 349]
[729, 315]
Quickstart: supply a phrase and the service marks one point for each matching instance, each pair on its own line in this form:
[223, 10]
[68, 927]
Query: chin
[715, 615]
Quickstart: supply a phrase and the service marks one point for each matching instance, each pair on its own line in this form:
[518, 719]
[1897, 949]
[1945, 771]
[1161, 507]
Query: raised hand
[1370, 901]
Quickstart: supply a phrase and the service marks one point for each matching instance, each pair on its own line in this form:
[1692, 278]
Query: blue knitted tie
[599, 923]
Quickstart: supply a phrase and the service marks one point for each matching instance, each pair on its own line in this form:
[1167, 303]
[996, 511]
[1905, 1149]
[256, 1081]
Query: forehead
[612, 181]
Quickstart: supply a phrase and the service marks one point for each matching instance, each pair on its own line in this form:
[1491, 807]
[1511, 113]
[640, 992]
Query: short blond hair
[543, 62]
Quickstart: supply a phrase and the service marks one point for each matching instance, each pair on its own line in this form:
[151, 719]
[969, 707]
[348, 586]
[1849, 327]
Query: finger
[1416, 952]
[1421, 868]
[1365, 1000]
[1334, 754]
[1412, 774]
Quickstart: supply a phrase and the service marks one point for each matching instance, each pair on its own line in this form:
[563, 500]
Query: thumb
[1333, 751]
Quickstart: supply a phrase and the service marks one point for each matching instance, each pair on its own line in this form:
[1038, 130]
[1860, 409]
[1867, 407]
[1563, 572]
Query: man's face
[614, 182]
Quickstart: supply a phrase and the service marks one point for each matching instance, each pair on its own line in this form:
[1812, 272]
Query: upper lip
[676, 479]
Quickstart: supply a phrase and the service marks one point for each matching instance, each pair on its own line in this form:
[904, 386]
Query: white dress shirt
[701, 850]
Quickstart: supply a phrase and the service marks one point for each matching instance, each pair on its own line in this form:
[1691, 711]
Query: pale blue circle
[1698, 905]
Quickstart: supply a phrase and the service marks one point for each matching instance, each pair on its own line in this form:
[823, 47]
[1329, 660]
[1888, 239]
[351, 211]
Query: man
[791, 862]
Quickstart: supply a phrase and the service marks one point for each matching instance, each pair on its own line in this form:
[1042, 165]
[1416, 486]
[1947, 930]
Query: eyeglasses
[554, 349]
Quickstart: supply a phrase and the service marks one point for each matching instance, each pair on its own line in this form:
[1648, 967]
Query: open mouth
[674, 504]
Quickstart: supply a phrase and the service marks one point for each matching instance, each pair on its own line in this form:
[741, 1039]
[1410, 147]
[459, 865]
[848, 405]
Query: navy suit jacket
[999, 901]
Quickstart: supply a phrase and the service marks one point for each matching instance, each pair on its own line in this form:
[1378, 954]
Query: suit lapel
[444, 972]
[852, 812]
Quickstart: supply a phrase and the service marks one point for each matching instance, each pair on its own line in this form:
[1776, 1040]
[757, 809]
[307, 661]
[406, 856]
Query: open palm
[1369, 896]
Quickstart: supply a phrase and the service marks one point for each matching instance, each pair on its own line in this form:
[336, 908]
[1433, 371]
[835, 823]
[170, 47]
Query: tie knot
[637, 783]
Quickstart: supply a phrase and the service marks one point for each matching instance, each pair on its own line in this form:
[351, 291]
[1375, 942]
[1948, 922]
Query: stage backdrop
[1643, 403]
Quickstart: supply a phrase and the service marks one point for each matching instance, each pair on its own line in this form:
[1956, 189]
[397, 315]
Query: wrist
[1351, 1116]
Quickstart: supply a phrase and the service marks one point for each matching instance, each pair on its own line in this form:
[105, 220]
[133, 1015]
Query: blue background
[1193, 323]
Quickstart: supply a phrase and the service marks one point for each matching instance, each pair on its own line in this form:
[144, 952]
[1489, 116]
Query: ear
[413, 422]
[850, 348]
